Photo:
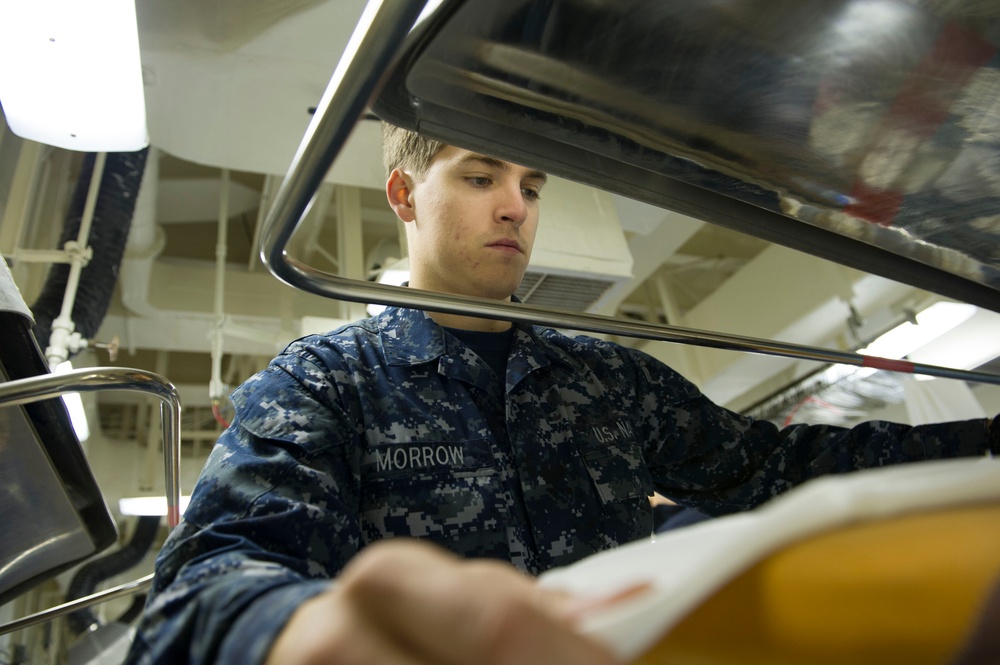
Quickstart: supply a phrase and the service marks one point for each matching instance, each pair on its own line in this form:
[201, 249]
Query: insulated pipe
[146, 241]
[35, 388]
[358, 79]
[95, 571]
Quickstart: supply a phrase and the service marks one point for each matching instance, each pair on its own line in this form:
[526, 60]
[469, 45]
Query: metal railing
[36, 388]
[46, 386]
[126, 589]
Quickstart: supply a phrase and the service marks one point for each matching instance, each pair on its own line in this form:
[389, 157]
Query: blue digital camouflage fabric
[392, 427]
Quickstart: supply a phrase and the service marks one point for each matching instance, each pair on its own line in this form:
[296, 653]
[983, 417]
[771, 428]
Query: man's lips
[505, 244]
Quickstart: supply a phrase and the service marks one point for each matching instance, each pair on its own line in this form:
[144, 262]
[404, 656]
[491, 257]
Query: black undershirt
[492, 347]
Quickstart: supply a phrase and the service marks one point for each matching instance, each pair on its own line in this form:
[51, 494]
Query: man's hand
[405, 603]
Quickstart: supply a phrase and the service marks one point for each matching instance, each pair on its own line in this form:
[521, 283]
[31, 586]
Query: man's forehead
[467, 157]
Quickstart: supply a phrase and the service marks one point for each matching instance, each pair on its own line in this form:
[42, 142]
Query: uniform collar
[411, 337]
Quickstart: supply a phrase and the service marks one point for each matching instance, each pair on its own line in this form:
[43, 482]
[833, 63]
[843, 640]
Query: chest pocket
[622, 481]
[445, 492]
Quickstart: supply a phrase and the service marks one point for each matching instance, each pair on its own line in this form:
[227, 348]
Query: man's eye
[532, 194]
[478, 181]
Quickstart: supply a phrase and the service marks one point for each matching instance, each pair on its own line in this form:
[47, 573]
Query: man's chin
[498, 290]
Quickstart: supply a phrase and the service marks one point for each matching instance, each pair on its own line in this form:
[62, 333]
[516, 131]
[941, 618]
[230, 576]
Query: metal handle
[126, 589]
[33, 389]
[358, 79]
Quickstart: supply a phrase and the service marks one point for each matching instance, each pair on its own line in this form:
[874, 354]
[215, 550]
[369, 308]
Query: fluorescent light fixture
[932, 323]
[77, 414]
[70, 74]
[148, 505]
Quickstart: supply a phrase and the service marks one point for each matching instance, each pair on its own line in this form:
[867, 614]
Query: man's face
[473, 224]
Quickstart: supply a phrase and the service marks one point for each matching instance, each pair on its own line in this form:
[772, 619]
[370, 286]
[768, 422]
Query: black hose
[89, 575]
[134, 610]
[113, 212]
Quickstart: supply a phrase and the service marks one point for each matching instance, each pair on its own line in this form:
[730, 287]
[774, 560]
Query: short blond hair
[407, 150]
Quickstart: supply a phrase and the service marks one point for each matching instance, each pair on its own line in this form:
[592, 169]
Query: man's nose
[511, 207]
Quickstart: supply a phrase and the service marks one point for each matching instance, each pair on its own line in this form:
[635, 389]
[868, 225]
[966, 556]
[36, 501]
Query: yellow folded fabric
[907, 589]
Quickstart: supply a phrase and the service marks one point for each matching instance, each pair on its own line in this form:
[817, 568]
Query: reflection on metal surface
[864, 131]
[357, 78]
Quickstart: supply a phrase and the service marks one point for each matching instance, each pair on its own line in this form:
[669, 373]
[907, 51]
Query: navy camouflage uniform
[393, 427]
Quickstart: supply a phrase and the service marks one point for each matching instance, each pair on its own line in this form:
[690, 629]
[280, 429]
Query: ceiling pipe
[60, 336]
[215, 386]
[145, 242]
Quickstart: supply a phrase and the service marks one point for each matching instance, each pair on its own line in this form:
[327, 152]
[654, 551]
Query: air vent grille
[561, 292]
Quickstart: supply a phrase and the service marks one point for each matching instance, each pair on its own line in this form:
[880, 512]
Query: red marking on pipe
[888, 363]
[173, 516]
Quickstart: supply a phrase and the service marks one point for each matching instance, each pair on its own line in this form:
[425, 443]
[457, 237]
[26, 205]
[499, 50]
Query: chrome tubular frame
[358, 80]
[33, 389]
[126, 589]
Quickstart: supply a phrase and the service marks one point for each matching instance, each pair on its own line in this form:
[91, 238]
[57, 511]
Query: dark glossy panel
[53, 511]
[43, 532]
[863, 131]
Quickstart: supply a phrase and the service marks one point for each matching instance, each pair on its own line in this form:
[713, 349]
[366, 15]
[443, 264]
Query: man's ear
[399, 192]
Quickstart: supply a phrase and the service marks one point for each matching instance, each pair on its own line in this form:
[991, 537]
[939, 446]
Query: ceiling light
[931, 324]
[70, 74]
[148, 505]
[74, 405]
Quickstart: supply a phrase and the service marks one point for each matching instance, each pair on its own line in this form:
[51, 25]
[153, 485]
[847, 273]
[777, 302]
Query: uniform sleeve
[717, 461]
[271, 520]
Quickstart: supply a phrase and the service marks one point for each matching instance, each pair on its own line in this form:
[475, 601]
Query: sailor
[386, 491]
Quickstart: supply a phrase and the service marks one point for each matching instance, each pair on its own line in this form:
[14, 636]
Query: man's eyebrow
[495, 163]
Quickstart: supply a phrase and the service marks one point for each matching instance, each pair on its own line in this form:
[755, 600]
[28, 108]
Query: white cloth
[940, 400]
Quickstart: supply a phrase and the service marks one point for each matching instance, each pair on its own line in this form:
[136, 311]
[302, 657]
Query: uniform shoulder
[581, 344]
[336, 345]
[586, 350]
